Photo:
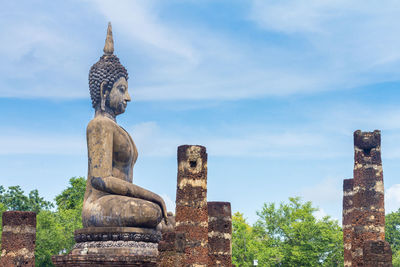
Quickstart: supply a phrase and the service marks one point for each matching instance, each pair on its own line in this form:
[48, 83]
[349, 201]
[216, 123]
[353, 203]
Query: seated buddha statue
[111, 199]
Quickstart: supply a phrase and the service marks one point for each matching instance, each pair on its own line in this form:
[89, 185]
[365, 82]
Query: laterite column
[377, 253]
[18, 239]
[220, 234]
[369, 212]
[191, 203]
[347, 220]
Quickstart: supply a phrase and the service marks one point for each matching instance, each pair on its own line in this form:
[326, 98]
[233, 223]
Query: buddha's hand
[164, 211]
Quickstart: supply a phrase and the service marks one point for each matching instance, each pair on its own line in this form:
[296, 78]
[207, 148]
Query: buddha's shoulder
[101, 122]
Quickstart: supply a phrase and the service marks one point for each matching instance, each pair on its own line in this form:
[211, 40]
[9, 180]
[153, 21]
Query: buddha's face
[119, 96]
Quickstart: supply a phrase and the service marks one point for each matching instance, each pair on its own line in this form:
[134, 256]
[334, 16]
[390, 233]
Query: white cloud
[392, 198]
[139, 20]
[42, 144]
[320, 214]
[340, 45]
[354, 41]
[154, 140]
[327, 191]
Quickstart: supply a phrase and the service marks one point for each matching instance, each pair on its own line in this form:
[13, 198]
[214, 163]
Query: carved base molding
[116, 234]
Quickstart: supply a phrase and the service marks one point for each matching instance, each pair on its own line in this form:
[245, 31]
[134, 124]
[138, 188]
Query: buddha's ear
[103, 96]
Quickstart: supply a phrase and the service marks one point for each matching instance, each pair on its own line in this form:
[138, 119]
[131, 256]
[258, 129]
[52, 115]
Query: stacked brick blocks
[347, 219]
[220, 233]
[191, 204]
[377, 253]
[363, 201]
[18, 239]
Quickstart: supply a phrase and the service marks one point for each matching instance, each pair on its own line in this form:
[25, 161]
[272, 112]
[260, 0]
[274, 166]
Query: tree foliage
[55, 228]
[288, 235]
[72, 197]
[14, 199]
[392, 234]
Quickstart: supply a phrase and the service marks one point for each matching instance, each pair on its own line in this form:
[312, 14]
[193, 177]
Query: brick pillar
[191, 203]
[347, 220]
[377, 253]
[369, 212]
[220, 233]
[18, 239]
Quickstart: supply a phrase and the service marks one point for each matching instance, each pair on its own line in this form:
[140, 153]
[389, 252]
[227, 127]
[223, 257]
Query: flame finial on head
[109, 45]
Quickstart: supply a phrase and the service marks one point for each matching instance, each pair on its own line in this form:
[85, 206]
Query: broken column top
[348, 184]
[218, 208]
[17, 218]
[367, 140]
[367, 147]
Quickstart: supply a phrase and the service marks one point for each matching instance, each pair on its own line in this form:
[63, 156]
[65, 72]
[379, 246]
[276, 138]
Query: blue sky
[273, 89]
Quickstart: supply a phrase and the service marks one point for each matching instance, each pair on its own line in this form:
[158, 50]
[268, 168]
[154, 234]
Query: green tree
[72, 197]
[55, 230]
[297, 237]
[392, 235]
[288, 235]
[241, 238]
[14, 199]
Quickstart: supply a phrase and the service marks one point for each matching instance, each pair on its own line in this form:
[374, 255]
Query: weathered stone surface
[347, 219]
[103, 260]
[129, 248]
[377, 253]
[191, 204]
[363, 201]
[121, 220]
[117, 233]
[172, 250]
[220, 233]
[18, 238]
[111, 199]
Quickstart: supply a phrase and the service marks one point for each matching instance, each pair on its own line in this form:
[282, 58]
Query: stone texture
[103, 260]
[191, 203]
[347, 220]
[120, 219]
[18, 239]
[111, 199]
[363, 202]
[220, 234]
[377, 253]
[172, 249]
[117, 233]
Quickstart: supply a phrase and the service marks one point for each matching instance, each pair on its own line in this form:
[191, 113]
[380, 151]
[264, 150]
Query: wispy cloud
[392, 198]
[339, 45]
[353, 41]
[41, 144]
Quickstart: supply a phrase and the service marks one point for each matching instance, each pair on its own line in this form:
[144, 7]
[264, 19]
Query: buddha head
[108, 81]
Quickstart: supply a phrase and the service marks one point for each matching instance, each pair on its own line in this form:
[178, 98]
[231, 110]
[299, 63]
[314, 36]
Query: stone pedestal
[18, 239]
[112, 246]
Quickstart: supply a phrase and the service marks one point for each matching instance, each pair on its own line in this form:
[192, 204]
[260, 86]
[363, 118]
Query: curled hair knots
[108, 70]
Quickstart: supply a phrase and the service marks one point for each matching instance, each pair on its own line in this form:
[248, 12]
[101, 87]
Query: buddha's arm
[100, 147]
[117, 186]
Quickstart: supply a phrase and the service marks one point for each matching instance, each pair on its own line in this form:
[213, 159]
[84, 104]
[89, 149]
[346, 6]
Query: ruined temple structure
[203, 230]
[18, 239]
[363, 206]
[220, 233]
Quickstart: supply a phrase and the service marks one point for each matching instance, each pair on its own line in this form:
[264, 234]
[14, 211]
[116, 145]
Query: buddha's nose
[127, 97]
